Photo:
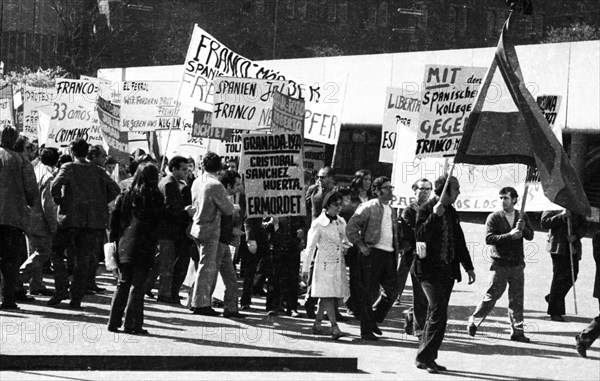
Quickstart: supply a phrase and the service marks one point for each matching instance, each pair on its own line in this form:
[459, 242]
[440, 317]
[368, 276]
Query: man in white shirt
[373, 230]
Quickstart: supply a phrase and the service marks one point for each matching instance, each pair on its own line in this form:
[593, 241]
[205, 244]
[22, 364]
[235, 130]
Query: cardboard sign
[288, 114]
[73, 113]
[34, 100]
[208, 58]
[109, 114]
[202, 127]
[401, 107]
[314, 156]
[146, 104]
[6, 107]
[273, 175]
[243, 103]
[448, 96]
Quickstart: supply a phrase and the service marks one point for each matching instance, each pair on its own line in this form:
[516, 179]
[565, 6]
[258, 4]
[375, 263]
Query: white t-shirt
[386, 239]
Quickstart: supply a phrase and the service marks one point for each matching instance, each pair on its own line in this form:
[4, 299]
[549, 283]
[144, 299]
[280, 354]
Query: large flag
[519, 133]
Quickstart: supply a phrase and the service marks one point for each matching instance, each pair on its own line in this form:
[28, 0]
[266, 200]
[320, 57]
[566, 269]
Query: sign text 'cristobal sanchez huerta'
[273, 175]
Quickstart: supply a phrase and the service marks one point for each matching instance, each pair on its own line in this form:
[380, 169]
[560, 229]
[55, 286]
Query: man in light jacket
[373, 230]
[209, 199]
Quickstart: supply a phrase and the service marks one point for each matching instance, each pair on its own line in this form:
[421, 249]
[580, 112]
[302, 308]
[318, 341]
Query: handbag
[110, 256]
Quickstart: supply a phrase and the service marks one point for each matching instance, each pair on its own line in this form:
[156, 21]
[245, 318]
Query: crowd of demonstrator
[61, 212]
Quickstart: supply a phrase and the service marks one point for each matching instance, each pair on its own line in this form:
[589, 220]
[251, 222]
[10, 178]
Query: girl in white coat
[327, 243]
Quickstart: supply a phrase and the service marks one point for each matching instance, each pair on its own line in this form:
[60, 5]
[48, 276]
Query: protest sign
[288, 114]
[202, 127]
[73, 113]
[182, 143]
[401, 107]
[243, 103]
[208, 58]
[146, 104]
[273, 176]
[314, 155]
[479, 184]
[550, 106]
[109, 113]
[6, 107]
[34, 100]
[448, 96]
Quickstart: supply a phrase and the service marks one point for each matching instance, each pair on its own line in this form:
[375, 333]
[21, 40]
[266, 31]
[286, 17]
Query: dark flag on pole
[519, 135]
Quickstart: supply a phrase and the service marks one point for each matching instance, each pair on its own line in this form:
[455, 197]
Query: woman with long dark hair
[133, 225]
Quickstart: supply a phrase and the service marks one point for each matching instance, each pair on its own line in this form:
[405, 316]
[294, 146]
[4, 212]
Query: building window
[343, 11]
[301, 9]
[288, 8]
[383, 14]
[331, 11]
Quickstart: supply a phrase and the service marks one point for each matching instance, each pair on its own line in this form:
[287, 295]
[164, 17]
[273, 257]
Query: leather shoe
[441, 368]
[75, 304]
[21, 296]
[580, 346]
[42, 292]
[136, 331]
[205, 311]
[57, 298]
[112, 328]
[520, 338]
[233, 315]
[167, 299]
[557, 318]
[96, 289]
[428, 366]
[369, 336]
[12, 306]
[376, 330]
[150, 294]
[245, 307]
[471, 329]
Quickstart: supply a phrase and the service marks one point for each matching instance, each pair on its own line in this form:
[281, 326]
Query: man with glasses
[373, 230]
[415, 315]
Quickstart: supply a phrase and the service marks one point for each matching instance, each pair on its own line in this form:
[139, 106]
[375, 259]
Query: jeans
[129, 297]
[206, 274]
[12, 244]
[561, 283]
[501, 276]
[437, 291]
[378, 269]
[85, 241]
[40, 251]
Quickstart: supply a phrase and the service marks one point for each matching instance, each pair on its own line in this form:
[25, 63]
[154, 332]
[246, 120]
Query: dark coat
[429, 230]
[82, 192]
[176, 219]
[133, 224]
[506, 251]
[558, 243]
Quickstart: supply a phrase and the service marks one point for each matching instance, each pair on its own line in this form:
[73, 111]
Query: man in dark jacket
[586, 338]
[172, 241]
[559, 241]
[440, 250]
[18, 192]
[82, 192]
[506, 229]
[415, 315]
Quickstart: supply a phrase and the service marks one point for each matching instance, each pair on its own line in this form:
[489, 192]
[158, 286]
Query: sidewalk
[282, 343]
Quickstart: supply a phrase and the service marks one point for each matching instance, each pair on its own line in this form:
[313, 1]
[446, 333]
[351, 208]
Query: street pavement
[40, 330]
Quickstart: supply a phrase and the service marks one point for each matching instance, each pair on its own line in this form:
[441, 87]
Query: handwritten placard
[448, 96]
[401, 107]
[273, 174]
